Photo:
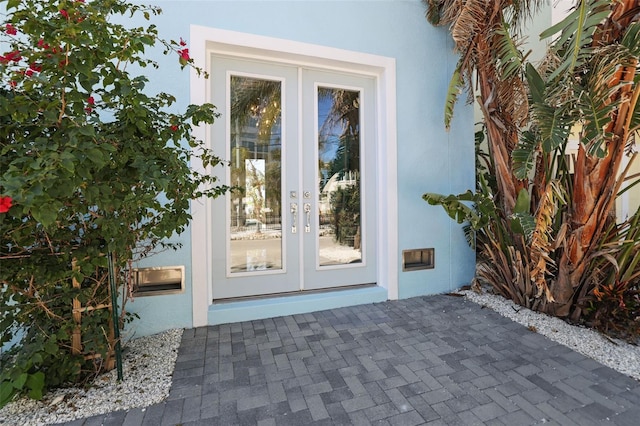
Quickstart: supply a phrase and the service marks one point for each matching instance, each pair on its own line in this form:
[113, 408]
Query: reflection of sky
[332, 137]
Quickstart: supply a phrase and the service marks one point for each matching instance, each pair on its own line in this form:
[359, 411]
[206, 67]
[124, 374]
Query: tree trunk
[502, 136]
[595, 180]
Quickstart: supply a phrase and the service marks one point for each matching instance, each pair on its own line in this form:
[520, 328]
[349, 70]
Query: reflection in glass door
[255, 145]
[339, 230]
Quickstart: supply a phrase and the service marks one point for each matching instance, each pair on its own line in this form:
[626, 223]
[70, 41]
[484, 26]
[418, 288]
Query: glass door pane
[255, 146]
[338, 147]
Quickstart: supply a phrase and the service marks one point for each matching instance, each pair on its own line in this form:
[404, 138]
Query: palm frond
[631, 39]
[433, 11]
[455, 207]
[523, 223]
[597, 101]
[576, 34]
[552, 120]
[513, 95]
[508, 52]
[442, 12]
[470, 235]
[469, 21]
[542, 244]
[524, 156]
[456, 85]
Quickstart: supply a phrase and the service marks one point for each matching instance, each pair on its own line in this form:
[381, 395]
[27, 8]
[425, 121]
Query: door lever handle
[307, 210]
[294, 218]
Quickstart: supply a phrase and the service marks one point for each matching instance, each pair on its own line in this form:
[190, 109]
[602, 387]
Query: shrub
[90, 165]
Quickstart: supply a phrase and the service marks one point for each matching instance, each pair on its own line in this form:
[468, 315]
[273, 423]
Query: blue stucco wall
[429, 158]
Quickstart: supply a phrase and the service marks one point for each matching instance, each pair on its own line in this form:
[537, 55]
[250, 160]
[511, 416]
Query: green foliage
[92, 164]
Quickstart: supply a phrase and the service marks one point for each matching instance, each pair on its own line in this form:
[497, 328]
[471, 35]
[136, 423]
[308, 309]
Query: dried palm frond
[542, 244]
[471, 20]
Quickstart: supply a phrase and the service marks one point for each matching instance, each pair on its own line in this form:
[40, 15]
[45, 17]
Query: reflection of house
[338, 180]
[383, 54]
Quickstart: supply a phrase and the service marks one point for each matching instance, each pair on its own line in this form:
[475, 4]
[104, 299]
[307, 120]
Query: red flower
[5, 204]
[174, 128]
[64, 13]
[184, 54]
[13, 84]
[43, 45]
[91, 101]
[182, 42]
[10, 56]
[35, 67]
[29, 72]
[11, 30]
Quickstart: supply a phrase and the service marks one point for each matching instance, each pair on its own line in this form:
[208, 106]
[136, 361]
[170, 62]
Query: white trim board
[204, 42]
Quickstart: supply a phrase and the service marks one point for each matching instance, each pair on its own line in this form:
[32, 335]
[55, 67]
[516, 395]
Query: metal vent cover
[417, 259]
[158, 280]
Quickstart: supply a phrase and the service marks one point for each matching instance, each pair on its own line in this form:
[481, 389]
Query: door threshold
[291, 293]
[271, 306]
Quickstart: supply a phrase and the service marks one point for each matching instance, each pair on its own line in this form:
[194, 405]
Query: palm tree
[551, 225]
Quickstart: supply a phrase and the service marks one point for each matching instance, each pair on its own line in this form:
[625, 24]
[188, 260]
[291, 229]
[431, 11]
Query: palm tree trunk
[501, 135]
[595, 181]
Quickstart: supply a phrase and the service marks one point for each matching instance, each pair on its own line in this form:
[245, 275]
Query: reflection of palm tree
[343, 116]
[256, 100]
[256, 117]
[256, 104]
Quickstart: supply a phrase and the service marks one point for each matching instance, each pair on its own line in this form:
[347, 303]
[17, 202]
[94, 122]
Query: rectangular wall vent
[158, 280]
[417, 259]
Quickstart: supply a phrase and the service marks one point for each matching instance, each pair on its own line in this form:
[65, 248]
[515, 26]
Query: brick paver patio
[436, 360]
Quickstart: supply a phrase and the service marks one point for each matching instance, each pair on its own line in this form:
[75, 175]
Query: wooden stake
[76, 337]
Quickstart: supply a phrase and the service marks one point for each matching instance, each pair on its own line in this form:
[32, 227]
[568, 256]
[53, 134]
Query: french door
[301, 149]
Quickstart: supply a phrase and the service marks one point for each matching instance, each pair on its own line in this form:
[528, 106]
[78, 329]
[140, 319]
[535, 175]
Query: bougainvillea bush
[90, 165]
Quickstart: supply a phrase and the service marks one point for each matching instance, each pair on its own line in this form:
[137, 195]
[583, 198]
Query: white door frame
[203, 42]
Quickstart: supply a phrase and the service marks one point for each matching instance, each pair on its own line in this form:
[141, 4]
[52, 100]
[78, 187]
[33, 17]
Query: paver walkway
[437, 360]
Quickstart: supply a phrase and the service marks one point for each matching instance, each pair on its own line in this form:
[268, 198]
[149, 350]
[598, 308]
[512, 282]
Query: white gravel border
[614, 353]
[147, 365]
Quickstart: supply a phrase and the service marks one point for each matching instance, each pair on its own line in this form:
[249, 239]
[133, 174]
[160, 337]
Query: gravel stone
[147, 366]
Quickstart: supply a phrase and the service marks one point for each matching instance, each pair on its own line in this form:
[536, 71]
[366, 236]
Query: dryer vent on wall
[417, 259]
[158, 280]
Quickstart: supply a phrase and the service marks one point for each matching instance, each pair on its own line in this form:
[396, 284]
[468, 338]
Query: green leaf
[523, 202]
[456, 208]
[508, 53]
[576, 34]
[523, 223]
[524, 155]
[19, 382]
[7, 391]
[35, 383]
[536, 84]
[87, 130]
[45, 215]
[456, 85]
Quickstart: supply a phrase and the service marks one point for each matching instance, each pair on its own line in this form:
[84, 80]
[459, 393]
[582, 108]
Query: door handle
[294, 217]
[307, 210]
